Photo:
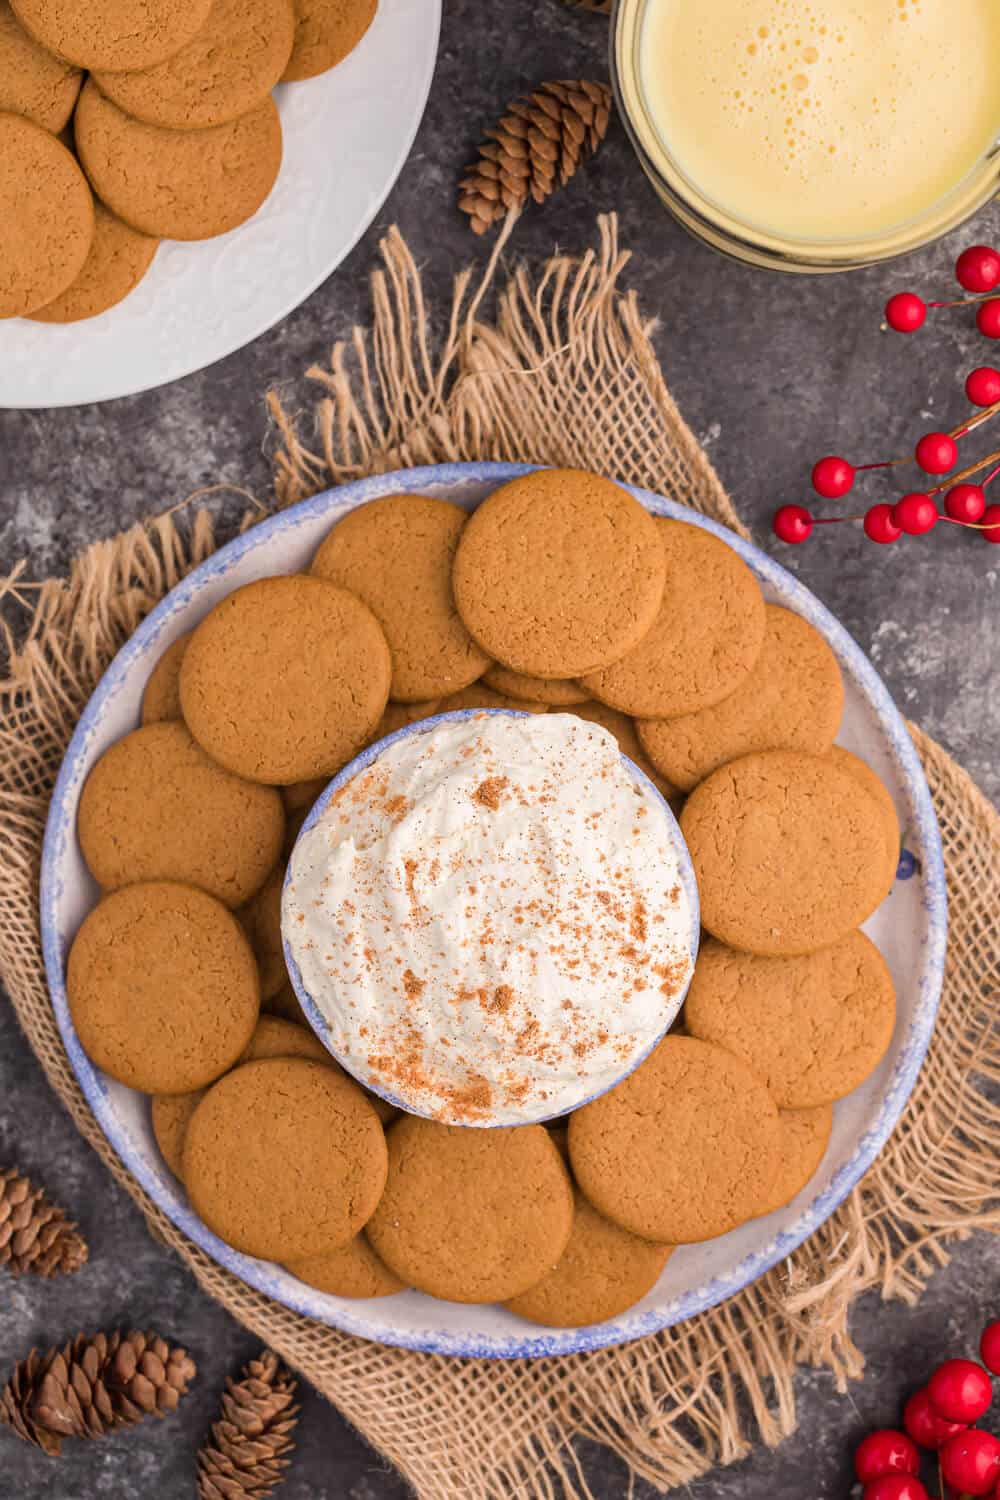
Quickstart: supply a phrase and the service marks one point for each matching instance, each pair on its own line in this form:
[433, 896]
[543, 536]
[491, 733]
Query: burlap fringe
[677, 1403]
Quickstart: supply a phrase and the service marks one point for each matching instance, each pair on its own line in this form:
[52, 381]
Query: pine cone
[536, 148]
[600, 7]
[92, 1385]
[35, 1235]
[247, 1452]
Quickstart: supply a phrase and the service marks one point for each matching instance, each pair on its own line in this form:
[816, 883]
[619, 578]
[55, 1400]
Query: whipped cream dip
[495, 918]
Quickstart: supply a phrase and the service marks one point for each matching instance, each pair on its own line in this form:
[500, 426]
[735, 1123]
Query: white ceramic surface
[346, 137]
[910, 928]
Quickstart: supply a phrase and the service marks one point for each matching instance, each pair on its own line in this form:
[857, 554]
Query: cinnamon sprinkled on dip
[491, 918]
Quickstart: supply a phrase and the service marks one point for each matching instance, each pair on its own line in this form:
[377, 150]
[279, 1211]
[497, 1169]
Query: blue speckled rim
[60, 834]
[360, 763]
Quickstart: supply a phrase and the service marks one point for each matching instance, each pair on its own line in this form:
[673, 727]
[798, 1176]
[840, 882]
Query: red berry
[923, 1423]
[915, 513]
[936, 453]
[990, 518]
[895, 1487]
[880, 526]
[965, 502]
[989, 1347]
[960, 1390]
[885, 1452]
[988, 318]
[792, 523]
[978, 268]
[982, 386]
[971, 1461]
[905, 312]
[832, 477]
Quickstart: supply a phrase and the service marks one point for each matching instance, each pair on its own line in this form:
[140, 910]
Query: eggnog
[822, 120]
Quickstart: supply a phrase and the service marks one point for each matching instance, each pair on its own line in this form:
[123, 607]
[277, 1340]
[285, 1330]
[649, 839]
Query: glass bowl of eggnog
[813, 135]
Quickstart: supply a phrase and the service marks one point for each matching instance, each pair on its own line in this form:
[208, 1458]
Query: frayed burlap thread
[561, 370]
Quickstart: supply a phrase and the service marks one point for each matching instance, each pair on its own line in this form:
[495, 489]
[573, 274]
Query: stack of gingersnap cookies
[559, 594]
[173, 135]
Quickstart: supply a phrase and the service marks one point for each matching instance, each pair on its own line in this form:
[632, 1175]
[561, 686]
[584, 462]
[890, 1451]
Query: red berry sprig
[936, 453]
[939, 1418]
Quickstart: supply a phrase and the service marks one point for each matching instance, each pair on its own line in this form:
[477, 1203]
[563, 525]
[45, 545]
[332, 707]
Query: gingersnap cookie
[113, 33]
[683, 1149]
[275, 1037]
[302, 794]
[788, 850]
[812, 1027]
[805, 1135]
[162, 987]
[624, 730]
[396, 554]
[226, 70]
[791, 699]
[33, 83]
[603, 1271]
[285, 1003]
[286, 679]
[118, 259]
[352, 1271]
[558, 694]
[251, 1125]
[705, 639]
[285, 1006]
[178, 184]
[400, 715]
[479, 696]
[171, 1114]
[156, 807]
[876, 788]
[46, 217]
[261, 920]
[472, 1215]
[162, 698]
[559, 573]
[293, 827]
[325, 32]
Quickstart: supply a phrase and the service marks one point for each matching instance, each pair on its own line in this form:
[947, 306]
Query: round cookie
[33, 83]
[811, 1027]
[396, 554]
[286, 679]
[285, 1005]
[178, 184]
[162, 987]
[46, 217]
[788, 850]
[805, 1135]
[399, 715]
[683, 1149]
[261, 919]
[171, 1114]
[559, 573]
[274, 1037]
[877, 789]
[325, 32]
[472, 1215]
[624, 730]
[603, 1271]
[251, 1125]
[223, 72]
[113, 33]
[155, 807]
[118, 259]
[478, 696]
[791, 699]
[352, 1271]
[162, 698]
[706, 636]
[302, 794]
[558, 694]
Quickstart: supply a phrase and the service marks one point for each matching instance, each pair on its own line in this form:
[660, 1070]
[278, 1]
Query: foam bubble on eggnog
[823, 119]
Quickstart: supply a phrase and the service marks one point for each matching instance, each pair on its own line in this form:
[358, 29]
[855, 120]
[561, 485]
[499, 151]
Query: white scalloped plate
[910, 927]
[346, 137]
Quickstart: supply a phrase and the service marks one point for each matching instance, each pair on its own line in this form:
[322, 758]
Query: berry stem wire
[963, 474]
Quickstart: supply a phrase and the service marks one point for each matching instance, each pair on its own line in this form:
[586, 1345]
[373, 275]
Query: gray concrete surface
[771, 372]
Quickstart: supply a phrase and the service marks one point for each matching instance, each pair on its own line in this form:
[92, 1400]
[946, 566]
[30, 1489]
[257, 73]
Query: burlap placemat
[562, 372]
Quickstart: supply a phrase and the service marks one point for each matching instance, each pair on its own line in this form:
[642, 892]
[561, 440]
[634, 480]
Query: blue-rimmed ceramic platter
[910, 928]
